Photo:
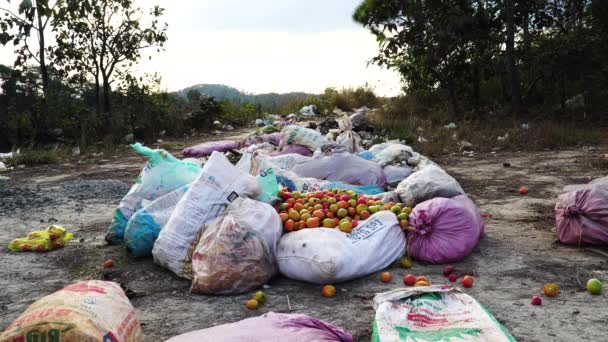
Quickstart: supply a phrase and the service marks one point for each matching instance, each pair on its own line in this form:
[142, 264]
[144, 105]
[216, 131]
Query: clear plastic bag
[294, 134]
[236, 253]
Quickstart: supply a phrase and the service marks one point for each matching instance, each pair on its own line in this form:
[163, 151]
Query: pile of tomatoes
[333, 208]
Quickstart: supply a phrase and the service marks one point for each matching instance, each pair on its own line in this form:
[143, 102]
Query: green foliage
[481, 56]
[348, 98]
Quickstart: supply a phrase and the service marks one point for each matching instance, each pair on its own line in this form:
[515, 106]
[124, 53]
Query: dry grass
[485, 135]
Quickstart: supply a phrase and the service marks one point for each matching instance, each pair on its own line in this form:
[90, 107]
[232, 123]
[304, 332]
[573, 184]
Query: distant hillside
[270, 101]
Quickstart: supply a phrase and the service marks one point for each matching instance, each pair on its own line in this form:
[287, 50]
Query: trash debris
[294, 148]
[429, 182]
[91, 310]
[162, 174]
[451, 125]
[205, 149]
[219, 184]
[395, 174]
[444, 230]
[376, 243]
[283, 327]
[293, 134]
[308, 111]
[504, 137]
[51, 238]
[343, 167]
[391, 153]
[3, 167]
[236, 253]
[108, 263]
[581, 215]
[145, 225]
[433, 313]
[273, 138]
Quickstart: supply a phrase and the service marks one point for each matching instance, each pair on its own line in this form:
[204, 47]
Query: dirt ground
[512, 262]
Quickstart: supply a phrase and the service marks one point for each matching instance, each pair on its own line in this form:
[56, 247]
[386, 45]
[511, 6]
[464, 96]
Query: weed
[38, 157]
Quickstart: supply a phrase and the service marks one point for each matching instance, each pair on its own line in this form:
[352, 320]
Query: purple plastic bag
[270, 327]
[446, 229]
[343, 167]
[205, 149]
[274, 138]
[299, 149]
[581, 215]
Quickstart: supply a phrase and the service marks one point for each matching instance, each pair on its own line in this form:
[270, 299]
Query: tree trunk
[106, 96]
[452, 102]
[513, 80]
[43, 69]
[97, 97]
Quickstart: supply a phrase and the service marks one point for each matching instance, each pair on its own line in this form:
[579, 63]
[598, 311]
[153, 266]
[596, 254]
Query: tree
[100, 39]
[18, 28]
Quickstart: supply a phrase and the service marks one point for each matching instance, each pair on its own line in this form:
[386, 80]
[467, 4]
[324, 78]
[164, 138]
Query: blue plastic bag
[145, 225]
[269, 185]
[367, 155]
[359, 189]
[162, 174]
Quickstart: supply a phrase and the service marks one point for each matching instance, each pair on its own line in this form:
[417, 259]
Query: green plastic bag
[269, 185]
[162, 174]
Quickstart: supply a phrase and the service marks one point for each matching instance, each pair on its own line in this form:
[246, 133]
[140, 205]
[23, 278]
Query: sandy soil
[513, 261]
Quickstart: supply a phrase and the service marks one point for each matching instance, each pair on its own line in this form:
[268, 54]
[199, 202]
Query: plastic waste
[391, 153]
[293, 134]
[53, 237]
[270, 327]
[444, 230]
[433, 313]
[92, 310]
[581, 215]
[205, 149]
[367, 155]
[274, 138]
[145, 225]
[395, 174]
[219, 184]
[429, 182]
[291, 149]
[310, 110]
[162, 174]
[359, 189]
[451, 125]
[236, 253]
[351, 140]
[269, 186]
[343, 167]
[324, 255]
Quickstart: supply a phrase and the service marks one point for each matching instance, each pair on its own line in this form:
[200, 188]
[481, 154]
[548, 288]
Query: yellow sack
[53, 237]
[89, 311]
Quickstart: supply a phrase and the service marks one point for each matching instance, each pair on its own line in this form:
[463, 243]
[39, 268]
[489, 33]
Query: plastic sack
[286, 178]
[367, 155]
[430, 182]
[236, 253]
[433, 313]
[581, 215]
[445, 230]
[91, 310]
[324, 255]
[143, 227]
[270, 327]
[52, 237]
[358, 118]
[288, 161]
[359, 189]
[294, 134]
[268, 185]
[294, 148]
[351, 140]
[343, 167]
[395, 174]
[162, 174]
[219, 184]
[391, 152]
[205, 149]
[274, 138]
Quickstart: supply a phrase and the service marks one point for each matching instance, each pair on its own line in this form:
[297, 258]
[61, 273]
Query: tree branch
[17, 17]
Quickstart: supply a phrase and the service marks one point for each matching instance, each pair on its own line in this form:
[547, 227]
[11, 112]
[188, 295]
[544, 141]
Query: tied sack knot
[422, 223]
[572, 211]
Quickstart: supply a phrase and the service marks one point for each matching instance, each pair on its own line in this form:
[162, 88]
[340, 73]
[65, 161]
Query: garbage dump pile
[321, 205]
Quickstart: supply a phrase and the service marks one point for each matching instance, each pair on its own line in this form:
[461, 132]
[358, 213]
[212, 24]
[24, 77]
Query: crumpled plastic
[51, 238]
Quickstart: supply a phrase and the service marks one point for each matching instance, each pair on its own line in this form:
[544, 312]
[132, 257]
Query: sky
[264, 46]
